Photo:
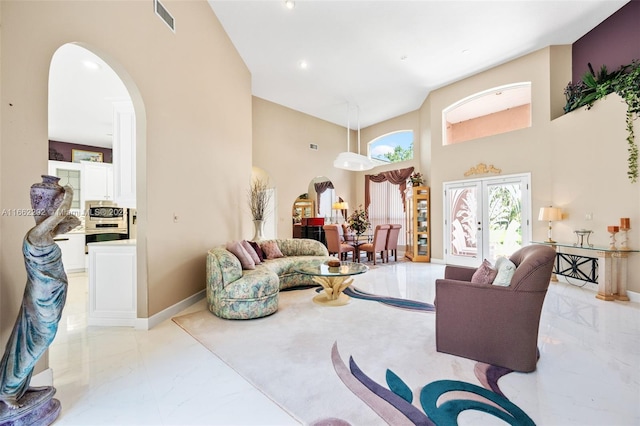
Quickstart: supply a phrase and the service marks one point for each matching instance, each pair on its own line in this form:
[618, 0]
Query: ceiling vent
[164, 15]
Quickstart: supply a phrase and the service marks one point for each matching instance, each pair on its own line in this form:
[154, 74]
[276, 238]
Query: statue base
[37, 407]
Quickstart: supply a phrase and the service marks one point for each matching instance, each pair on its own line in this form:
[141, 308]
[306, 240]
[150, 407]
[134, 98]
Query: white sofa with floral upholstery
[234, 293]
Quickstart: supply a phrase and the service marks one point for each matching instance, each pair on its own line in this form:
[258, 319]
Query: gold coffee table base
[333, 290]
[323, 299]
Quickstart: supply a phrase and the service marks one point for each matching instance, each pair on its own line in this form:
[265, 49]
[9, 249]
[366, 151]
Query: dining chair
[335, 245]
[348, 236]
[392, 241]
[378, 245]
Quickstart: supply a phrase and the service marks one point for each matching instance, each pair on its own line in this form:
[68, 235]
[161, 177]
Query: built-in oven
[105, 221]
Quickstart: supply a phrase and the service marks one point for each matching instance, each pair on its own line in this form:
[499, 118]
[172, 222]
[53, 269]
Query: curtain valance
[397, 177]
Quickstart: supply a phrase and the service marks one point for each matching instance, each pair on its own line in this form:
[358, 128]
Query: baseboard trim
[152, 321]
[633, 296]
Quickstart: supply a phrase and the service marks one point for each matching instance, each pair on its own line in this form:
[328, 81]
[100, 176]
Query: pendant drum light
[350, 160]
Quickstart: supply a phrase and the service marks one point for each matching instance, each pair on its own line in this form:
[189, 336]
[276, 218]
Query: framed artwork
[78, 155]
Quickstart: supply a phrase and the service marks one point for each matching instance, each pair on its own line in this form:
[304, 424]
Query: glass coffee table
[333, 279]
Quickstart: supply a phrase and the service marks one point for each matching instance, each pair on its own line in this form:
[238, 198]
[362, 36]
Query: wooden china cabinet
[418, 238]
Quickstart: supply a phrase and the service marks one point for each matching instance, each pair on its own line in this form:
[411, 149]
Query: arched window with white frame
[393, 147]
[490, 112]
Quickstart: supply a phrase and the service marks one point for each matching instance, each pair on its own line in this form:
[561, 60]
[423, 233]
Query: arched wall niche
[271, 220]
[324, 199]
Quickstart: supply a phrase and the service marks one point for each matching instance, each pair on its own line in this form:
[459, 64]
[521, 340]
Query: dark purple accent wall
[615, 42]
[64, 149]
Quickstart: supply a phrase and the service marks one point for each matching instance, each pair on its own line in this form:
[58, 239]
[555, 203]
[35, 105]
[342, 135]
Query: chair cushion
[346, 247]
[485, 274]
[505, 270]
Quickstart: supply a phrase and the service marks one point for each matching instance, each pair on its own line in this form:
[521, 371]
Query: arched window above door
[493, 111]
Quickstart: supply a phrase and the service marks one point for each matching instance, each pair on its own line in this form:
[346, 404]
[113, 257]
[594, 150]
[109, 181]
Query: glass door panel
[504, 217]
[463, 239]
[486, 218]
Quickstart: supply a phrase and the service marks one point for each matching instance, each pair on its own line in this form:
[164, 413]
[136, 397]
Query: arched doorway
[87, 89]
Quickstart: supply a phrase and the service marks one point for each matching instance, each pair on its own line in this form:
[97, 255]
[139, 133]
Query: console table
[608, 269]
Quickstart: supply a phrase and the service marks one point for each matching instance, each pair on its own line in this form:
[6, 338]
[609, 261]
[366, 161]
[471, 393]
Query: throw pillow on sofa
[245, 259]
[271, 250]
[485, 274]
[251, 251]
[506, 269]
[258, 250]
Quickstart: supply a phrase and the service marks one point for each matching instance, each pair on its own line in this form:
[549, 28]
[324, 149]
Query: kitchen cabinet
[96, 181]
[72, 247]
[124, 154]
[112, 283]
[418, 230]
[69, 174]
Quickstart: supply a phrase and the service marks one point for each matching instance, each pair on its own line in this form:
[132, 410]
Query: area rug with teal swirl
[391, 372]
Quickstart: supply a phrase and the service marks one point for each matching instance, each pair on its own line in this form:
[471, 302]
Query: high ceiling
[386, 56]
[383, 57]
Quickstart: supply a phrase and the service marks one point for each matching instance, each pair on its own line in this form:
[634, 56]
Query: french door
[486, 218]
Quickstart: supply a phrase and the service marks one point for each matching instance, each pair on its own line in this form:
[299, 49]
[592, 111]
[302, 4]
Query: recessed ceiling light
[90, 65]
[289, 4]
[303, 65]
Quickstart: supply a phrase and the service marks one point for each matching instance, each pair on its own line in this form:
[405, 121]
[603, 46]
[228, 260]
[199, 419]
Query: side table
[609, 271]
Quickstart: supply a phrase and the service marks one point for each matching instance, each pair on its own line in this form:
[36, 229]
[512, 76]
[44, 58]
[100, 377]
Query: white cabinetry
[69, 174]
[112, 283]
[124, 153]
[72, 246]
[97, 181]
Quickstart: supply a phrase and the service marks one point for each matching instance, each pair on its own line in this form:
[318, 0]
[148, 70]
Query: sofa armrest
[460, 273]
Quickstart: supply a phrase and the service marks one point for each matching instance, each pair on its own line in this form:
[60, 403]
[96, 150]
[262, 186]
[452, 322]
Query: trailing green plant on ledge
[626, 83]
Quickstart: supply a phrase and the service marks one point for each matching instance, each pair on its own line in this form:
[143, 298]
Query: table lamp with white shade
[550, 214]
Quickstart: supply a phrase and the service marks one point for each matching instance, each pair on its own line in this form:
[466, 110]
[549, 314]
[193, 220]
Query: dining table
[356, 241]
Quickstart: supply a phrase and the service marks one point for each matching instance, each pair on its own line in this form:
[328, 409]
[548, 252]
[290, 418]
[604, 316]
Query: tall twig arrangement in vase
[259, 198]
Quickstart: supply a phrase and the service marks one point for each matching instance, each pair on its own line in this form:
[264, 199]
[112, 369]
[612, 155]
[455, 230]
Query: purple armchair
[494, 324]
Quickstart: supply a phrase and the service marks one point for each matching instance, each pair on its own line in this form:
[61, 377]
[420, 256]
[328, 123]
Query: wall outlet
[175, 218]
[588, 216]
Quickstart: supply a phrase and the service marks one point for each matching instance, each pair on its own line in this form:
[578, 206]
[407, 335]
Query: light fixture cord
[348, 129]
[358, 119]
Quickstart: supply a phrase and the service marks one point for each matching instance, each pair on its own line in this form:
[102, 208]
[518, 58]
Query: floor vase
[259, 230]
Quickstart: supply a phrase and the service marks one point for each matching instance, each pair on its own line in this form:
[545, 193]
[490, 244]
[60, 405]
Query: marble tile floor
[588, 373]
